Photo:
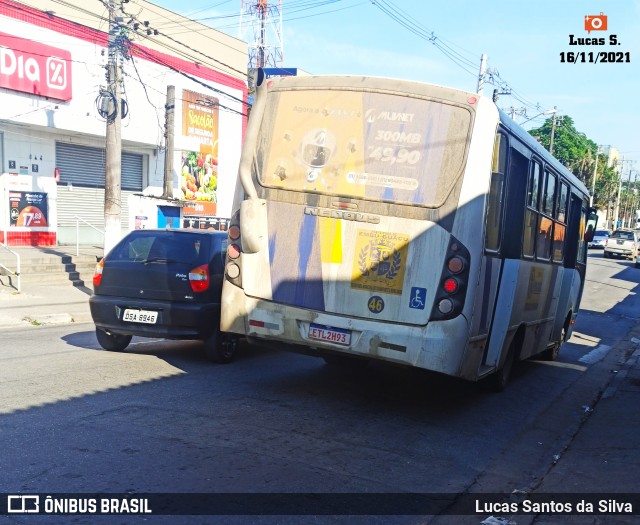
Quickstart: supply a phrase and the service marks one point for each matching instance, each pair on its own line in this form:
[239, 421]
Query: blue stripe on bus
[294, 258]
[309, 290]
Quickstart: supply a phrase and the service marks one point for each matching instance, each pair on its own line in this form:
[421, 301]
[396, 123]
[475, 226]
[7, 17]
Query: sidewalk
[40, 304]
[603, 459]
[46, 302]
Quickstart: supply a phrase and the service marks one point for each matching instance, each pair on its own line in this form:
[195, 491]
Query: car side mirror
[588, 235]
[592, 222]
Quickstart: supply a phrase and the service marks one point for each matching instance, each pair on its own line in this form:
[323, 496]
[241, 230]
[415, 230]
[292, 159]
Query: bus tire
[345, 361]
[497, 381]
[220, 347]
[551, 353]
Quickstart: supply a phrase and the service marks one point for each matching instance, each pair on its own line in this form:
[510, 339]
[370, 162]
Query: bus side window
[545, 224]
[531, 215]
[559, 228]
[495, 204]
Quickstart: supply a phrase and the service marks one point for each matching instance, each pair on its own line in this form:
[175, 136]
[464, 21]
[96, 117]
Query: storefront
[52, 137]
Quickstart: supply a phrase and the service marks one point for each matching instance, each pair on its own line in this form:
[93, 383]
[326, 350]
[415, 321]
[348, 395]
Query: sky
[523, 40]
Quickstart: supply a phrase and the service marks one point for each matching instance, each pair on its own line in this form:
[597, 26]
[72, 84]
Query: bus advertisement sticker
[379, 262]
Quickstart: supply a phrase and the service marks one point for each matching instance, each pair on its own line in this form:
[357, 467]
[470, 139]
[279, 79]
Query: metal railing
[11, 272]
[78, 219]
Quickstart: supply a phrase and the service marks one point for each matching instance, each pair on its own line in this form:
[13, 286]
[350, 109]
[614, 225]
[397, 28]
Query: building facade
[54, 103]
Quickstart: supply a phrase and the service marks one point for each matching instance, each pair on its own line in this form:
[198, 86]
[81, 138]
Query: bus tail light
[451, 292]
[233, 265]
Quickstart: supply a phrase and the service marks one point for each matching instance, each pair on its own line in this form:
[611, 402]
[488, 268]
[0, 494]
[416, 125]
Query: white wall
[36, 122]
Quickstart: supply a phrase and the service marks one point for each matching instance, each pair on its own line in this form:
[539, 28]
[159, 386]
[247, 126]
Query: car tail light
[199, 278]
[450, 295]
[97, 274]
[233, 263]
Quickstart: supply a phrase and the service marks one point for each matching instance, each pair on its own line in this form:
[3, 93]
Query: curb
[45, 319]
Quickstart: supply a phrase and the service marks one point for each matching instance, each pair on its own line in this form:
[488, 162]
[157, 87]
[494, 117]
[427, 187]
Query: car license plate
[140, 316]
[329, 334]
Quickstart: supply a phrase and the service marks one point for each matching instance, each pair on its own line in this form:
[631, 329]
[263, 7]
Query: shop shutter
[85, 166]
[82, 178]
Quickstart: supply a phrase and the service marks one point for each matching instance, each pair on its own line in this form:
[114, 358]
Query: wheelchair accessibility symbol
[418, 298]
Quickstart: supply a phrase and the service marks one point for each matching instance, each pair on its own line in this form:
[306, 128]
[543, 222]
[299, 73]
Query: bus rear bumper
[438, 346]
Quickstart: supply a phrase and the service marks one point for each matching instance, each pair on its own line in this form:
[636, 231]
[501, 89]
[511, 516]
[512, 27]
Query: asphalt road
[159, 418]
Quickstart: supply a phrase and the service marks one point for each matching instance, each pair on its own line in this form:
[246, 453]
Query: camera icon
[595, 22]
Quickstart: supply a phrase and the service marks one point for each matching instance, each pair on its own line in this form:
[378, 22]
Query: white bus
[403, 222]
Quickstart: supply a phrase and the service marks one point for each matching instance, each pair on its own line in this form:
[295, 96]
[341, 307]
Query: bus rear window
[374, 146]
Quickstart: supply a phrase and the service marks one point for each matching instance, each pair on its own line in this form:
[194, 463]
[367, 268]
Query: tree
[578, 154]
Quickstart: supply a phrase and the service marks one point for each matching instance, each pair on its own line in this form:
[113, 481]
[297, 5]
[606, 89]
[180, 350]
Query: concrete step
[49, 266]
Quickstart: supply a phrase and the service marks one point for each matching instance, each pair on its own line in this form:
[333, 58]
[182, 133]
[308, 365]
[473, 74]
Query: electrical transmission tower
[261, 26]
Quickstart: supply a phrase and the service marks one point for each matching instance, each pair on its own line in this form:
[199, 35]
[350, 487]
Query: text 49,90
[594, 57]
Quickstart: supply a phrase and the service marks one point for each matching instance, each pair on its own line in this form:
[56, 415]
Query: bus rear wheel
[551, 354]
[497, 381]
[220, 347]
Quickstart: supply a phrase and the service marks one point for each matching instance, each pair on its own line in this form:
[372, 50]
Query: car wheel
[220, 347]
[606, 255]
[112, 342]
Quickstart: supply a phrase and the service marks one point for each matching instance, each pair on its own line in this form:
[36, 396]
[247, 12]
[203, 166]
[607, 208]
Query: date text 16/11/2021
[594, 57]
[603, 57]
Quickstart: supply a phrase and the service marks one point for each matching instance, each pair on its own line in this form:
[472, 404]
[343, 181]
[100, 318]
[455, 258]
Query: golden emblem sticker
[379, 261]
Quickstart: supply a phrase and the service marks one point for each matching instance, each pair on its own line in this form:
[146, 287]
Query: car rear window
[168, 246]
[628, 236]
[602, 233]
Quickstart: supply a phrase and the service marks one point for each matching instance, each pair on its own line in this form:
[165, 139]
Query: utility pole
[617, 210]
[483, 72]
[170, 108]
[553, 131]
[113, 150]
[593, 179]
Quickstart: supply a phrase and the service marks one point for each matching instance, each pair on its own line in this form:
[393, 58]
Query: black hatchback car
[162, 283]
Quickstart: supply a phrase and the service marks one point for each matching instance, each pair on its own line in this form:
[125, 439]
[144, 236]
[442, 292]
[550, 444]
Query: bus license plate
[140, 316]
[329, 334]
